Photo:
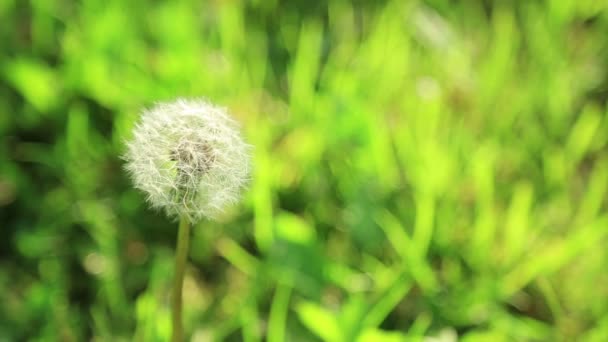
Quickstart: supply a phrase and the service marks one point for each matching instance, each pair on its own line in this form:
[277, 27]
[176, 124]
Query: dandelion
[189, 159]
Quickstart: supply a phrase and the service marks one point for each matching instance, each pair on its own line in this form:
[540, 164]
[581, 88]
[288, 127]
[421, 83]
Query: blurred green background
[424, 170]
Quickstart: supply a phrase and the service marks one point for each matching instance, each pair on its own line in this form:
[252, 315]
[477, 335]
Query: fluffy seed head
[189, 158]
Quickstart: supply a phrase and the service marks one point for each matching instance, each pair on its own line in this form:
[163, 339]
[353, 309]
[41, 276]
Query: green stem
[181, 255]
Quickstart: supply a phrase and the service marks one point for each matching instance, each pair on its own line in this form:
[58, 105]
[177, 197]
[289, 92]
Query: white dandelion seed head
[189, 158]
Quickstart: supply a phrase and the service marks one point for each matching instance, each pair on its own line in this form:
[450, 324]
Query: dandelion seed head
[189, 158]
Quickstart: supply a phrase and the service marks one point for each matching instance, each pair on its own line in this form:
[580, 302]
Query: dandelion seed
[189, 158]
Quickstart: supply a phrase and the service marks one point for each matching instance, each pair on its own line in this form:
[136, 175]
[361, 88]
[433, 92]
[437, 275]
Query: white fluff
[189, 158]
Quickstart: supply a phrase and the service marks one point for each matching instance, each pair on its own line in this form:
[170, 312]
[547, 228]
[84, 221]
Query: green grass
[422, 169]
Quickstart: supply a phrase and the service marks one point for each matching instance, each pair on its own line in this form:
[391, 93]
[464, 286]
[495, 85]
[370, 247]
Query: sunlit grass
[421, 169]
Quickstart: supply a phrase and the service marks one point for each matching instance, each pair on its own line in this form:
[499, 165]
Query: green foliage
[422, 170]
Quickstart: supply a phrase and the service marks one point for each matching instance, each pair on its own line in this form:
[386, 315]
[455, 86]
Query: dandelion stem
[181, 255]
